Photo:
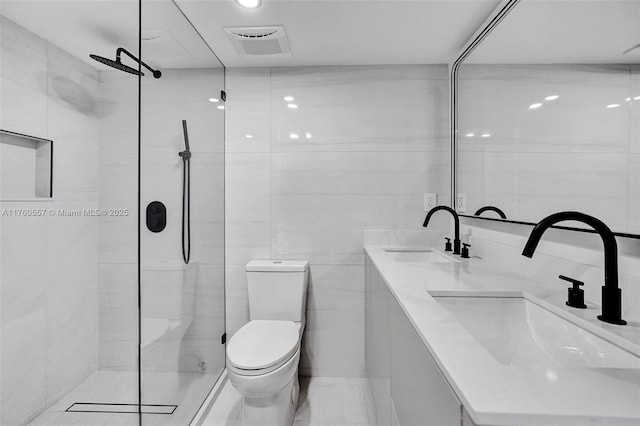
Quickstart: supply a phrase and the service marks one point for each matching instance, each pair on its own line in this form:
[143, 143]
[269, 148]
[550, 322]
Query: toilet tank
[277, 289]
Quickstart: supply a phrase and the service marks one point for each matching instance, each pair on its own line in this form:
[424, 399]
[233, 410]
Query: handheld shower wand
[186, 196]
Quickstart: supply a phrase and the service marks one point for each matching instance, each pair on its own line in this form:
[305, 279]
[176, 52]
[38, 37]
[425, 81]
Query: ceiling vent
[259, 40]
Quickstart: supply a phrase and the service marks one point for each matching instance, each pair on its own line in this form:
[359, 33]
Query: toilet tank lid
[277, 265]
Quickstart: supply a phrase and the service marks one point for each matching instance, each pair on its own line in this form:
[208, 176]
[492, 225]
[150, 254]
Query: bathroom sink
[517, 331]
[419, 256]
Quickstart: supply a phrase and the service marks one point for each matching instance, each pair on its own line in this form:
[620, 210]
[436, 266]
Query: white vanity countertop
[494, 393]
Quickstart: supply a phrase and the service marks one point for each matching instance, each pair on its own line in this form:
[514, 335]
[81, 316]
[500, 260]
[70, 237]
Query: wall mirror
[546, 113]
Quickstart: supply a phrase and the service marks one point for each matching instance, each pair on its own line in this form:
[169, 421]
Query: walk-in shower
[104, 320]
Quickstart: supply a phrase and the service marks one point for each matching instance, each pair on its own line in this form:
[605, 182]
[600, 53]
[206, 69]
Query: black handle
[576, 283]
[447, 245]
[575, 295]
[465, 250]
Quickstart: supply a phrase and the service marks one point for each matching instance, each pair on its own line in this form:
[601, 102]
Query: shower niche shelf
[26, 167]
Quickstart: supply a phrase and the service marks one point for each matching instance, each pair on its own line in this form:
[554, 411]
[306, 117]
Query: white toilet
[263, 356]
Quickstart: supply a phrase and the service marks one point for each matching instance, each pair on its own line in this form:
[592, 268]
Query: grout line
[270, 169]
[341, 151]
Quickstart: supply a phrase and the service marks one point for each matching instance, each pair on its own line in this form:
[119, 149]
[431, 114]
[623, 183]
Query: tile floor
[186, 390]
[324, 401]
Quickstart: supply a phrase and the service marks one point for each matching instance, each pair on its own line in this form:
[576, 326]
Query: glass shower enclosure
[111, 214]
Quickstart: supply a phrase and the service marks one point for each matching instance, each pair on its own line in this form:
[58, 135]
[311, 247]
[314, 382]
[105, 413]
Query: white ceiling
[82, 27]
[568, 31]
[339, 32]
[345, 32]
[321, 32]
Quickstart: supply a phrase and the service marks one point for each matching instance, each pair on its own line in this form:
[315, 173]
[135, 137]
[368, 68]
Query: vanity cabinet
[402, 373]
[378, 342]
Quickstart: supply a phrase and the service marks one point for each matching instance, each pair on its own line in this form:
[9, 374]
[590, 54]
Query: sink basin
[517, 331]
[419, 256]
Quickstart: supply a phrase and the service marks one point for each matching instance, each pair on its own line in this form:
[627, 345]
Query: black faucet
[490, 208]
[611, 294]
[456, 240]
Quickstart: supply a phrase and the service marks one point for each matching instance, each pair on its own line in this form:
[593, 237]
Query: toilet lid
[261, 344]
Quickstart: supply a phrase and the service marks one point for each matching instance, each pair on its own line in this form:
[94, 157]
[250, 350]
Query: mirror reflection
[549, 114]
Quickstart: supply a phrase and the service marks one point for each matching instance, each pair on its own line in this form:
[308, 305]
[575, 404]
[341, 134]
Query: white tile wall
[118, 240]
[49, 277]
[178, 95]
[377, 143]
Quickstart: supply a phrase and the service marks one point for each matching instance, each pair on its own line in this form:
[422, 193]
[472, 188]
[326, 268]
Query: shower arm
[140, 61]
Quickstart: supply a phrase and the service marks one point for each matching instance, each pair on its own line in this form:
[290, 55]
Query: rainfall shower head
[117, 64]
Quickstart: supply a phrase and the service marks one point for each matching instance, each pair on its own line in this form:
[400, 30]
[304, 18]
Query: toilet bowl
[262, 364]
[263, 355]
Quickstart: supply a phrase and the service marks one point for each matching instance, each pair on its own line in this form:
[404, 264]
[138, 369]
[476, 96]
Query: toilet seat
[262, 346]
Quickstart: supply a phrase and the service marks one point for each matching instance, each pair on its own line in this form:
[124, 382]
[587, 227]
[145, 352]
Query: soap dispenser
[575, 293]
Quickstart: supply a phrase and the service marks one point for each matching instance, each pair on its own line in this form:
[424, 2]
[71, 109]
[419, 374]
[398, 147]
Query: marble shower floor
[324, 401]
[187, 390]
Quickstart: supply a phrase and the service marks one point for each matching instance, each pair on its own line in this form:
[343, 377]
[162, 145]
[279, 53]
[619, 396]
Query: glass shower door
[182, 212]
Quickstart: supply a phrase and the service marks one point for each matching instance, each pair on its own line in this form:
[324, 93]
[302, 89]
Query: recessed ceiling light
[293, 136]
[627, 99]
[535, 106]
[248, 136]
[307, 135]
[292, 106]
[220, 107]
[289, 98]
[551, 98]
[612, 106]
[485, 135]
[213, 100]
[637, 98]
[250, 4]
[470, 135]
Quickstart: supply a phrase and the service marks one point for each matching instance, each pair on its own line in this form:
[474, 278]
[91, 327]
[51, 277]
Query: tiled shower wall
[179, 94]
[361, 149]
[49, 271]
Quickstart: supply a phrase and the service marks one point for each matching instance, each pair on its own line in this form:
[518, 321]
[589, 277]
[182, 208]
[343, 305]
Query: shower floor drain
[97, 407]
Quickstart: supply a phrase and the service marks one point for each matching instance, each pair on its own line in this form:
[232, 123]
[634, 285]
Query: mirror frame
[494, 19]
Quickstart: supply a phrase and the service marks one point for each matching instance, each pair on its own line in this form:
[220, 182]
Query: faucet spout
[490, 208]
[456, 240]
[611, 293]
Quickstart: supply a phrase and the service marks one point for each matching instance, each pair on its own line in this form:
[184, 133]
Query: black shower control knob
[156, 216]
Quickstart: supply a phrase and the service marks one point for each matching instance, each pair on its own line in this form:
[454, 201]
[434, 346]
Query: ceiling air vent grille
[259, 40]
